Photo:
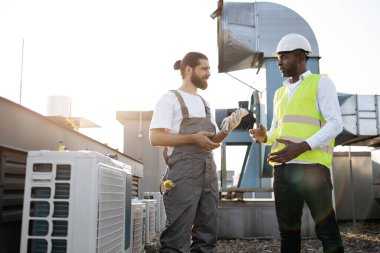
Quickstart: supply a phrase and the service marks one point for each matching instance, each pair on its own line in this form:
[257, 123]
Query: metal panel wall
[24, 129]
[12, 177]
[356, 199]
[249, 219]
[136, 145]
[376, 174]
[361, 118]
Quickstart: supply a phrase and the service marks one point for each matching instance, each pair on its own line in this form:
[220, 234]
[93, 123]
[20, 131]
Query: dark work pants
[191, 206]
[295, 184]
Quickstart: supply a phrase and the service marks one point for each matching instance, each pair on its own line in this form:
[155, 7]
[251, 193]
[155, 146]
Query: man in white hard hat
[306, 120]
[182, 122]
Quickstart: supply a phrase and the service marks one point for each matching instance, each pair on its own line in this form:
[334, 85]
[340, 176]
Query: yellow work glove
[231, 122]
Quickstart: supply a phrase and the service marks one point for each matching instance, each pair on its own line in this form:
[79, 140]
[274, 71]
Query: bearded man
[183, 123]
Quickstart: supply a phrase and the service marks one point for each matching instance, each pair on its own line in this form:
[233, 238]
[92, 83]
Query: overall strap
[185, 111]
[208, 114]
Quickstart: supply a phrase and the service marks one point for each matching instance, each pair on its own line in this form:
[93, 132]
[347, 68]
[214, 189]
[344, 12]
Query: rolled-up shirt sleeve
[328, 105]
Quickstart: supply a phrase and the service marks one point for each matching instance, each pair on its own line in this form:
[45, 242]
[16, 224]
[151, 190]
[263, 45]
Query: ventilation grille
[135, 187]
[50, 186]
[152, 222]
[111, 204]
[137, 226]
[160, 209]
[144, 225]
[150, 229]
[76, 203]
[12, 177]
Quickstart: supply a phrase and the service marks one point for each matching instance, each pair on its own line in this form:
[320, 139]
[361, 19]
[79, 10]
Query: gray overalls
[192, 205]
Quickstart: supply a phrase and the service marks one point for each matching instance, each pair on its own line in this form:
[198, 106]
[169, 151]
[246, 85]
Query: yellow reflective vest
[298, 119]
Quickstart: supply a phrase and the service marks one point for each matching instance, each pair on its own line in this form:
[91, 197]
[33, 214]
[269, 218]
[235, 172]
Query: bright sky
[115, 55]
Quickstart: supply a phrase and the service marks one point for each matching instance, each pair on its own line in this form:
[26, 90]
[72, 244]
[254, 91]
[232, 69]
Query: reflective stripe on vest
[301, 119]
[298, 119]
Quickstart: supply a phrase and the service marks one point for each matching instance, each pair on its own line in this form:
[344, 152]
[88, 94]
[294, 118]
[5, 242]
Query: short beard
[290, 71]
[198, 82]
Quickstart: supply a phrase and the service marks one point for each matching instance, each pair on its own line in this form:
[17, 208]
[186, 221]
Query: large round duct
[249, 32]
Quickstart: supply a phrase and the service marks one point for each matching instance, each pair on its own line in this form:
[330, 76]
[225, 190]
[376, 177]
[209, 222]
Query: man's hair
[191, 59]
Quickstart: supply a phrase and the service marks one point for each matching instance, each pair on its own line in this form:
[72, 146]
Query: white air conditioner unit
[137, 227]
[160, 210]
[144, 219]
[150, 225]
[76, 202]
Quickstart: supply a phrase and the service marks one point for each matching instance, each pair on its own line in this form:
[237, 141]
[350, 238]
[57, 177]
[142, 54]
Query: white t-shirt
[168, 113]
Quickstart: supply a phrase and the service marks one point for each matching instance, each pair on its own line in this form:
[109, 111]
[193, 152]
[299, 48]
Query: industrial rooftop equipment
[76, 201]
[248, 33]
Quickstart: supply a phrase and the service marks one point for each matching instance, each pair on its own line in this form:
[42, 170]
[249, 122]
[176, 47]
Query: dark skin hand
[289, 152]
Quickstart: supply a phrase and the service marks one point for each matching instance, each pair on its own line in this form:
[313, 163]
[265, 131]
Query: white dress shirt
[327, 104]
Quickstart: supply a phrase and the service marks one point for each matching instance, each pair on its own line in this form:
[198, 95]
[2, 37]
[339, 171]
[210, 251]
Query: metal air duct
[249, 32]
[361, 119]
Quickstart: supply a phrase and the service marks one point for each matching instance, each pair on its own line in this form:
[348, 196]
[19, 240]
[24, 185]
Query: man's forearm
[166, 139]
[219, 137]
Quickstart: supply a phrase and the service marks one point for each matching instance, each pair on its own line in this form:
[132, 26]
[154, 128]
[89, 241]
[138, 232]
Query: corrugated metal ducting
[361, 117]
[249, 32]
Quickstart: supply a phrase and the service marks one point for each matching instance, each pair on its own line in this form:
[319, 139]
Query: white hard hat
[292, 42]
